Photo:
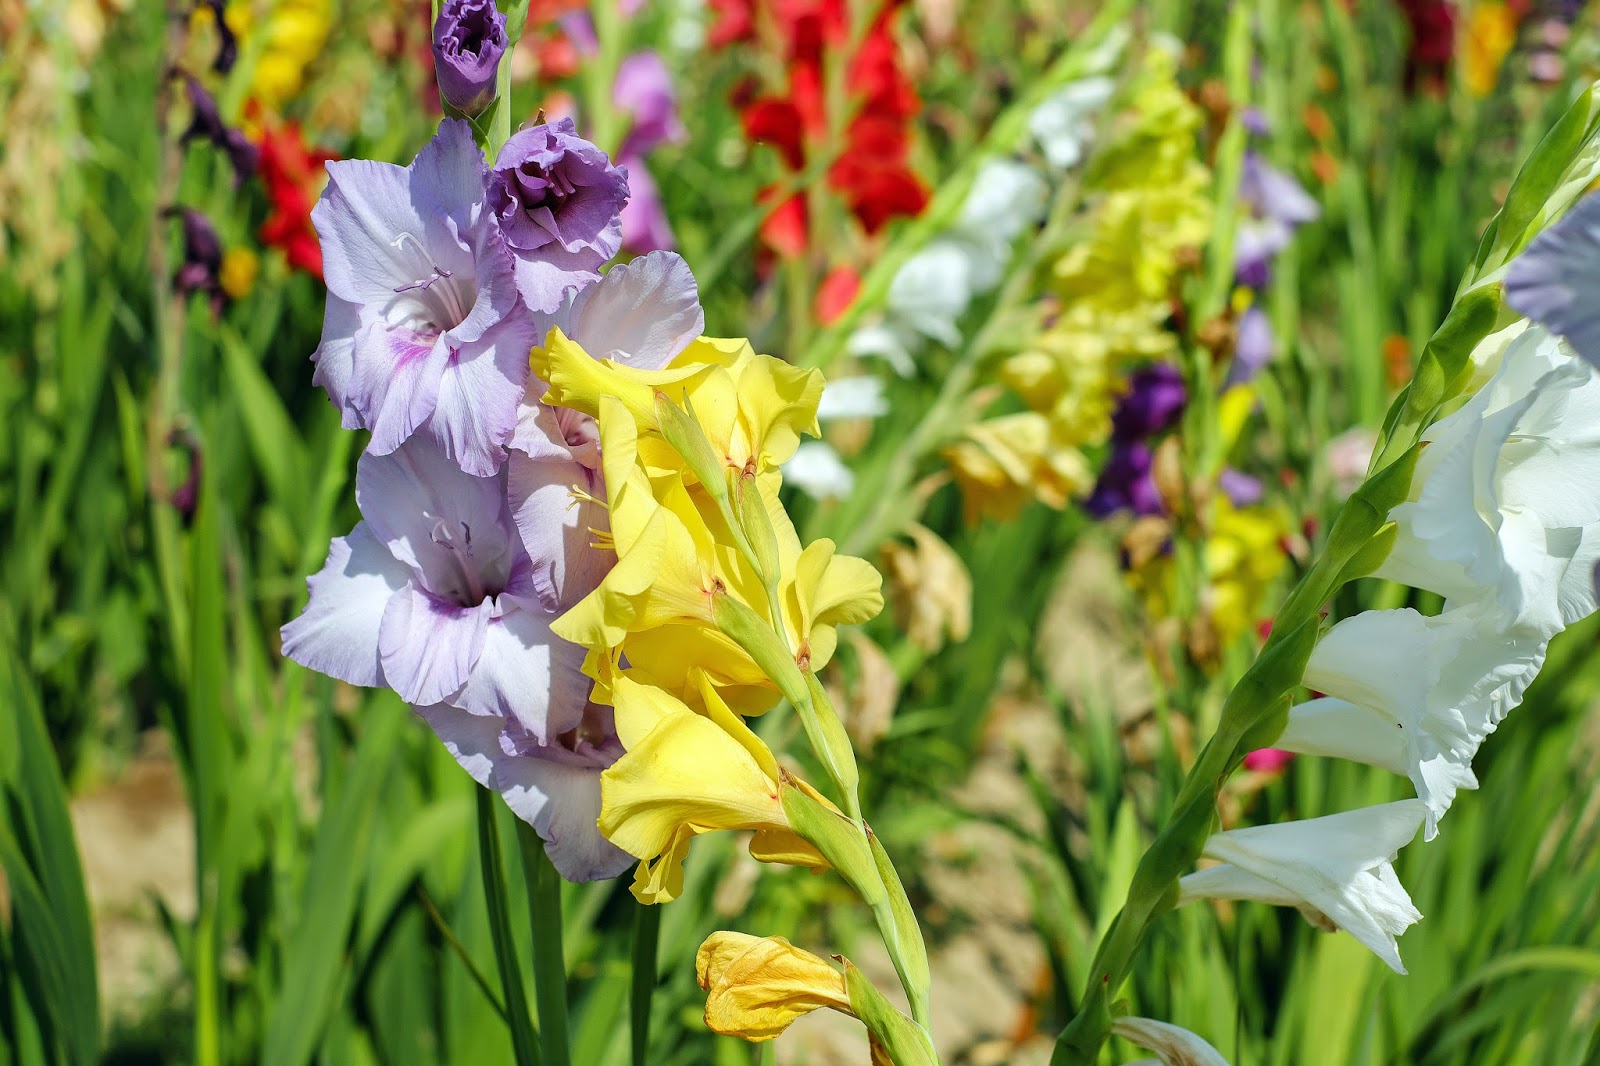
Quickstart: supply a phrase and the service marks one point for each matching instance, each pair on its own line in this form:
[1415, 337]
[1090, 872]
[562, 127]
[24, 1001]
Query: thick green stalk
[549, 961]
[642, 988]
[491, 862]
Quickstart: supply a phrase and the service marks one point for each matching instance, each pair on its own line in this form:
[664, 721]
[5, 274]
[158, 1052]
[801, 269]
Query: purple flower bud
[1153, 402]
[469, 40]
[227, 43]
[558, 200]
[207, 125]
[202, 258]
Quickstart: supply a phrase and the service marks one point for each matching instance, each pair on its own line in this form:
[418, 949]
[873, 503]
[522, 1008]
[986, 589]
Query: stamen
[420, 283]
[580, 496]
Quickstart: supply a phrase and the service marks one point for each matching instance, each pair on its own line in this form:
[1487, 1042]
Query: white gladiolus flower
[1064, 123]
[1338, 868]
[1505, 503]
[1173, 1045]
[1415, 695]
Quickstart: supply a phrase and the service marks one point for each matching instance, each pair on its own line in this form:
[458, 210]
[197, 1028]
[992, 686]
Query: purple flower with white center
[1556, 280]
[643, 89]
[1126, 483]
[1153, 402]
[469, 40]
[1253, 347]
[424, 329]
[433, 594]
[641, 314]
[554, 787]
[558, 200]
[1276, 204]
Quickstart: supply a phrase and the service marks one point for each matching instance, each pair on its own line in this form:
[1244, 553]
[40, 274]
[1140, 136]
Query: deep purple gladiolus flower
[1126, 483]
[1555, 281]
[1276, 204]
[558, 200]
[469, 40]
[1153, 402]
[424, 330]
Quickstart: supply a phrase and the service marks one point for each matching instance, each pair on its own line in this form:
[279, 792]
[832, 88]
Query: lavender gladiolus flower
[1555, 281]
[557, 198]
[1242, 489]
[1276, 205]
[433, 594]
[554, 787]
[469, 40]
[424, 328]
[1153, 402]
[643, 89]
[1254, 347]
[645, 227]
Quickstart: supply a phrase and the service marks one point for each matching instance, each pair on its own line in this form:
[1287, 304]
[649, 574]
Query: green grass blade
[492, 862]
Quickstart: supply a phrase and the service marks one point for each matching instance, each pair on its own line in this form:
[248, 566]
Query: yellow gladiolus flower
[752, 407]
[686, 773]
[756, 987]
[293, 34]
[1004, 462]
[1490, 34]
[675, 551]
[239, 269]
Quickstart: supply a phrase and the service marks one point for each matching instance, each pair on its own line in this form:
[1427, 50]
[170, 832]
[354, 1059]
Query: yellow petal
[578, 380]
[756, 989]
[685, 770]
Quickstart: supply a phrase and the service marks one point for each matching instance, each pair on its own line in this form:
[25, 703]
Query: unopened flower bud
[469, 39]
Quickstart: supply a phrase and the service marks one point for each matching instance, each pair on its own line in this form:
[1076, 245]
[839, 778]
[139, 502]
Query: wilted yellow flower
[1490, 33]
[685, 773]
[1004, 462]
[756, 987]
[675, 550]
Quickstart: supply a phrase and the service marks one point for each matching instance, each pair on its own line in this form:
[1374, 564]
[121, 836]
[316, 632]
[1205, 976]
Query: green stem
[642, 989]
[491, 862]
[549, 962]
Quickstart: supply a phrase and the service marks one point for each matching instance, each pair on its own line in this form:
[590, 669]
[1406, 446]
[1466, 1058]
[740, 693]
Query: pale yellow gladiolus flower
[1004, 462]
[675, 553]
[756, 987]
[686, 773]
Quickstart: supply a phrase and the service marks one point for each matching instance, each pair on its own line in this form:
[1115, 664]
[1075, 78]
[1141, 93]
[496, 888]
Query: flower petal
[1554, 280]
[429, 646]
[558, 529]
[528, 674]
[641, 314]
[394, 383]
[337, 633]
[479, 392]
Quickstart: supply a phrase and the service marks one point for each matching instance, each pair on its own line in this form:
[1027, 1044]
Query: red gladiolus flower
[871, 170]
[294, 176]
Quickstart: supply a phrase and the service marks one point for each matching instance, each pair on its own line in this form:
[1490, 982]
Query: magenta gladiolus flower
[557, 198]
[424, 329]
[643, 89]
[469, 40]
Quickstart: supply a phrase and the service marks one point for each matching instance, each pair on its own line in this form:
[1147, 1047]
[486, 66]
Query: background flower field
[1089, 451]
